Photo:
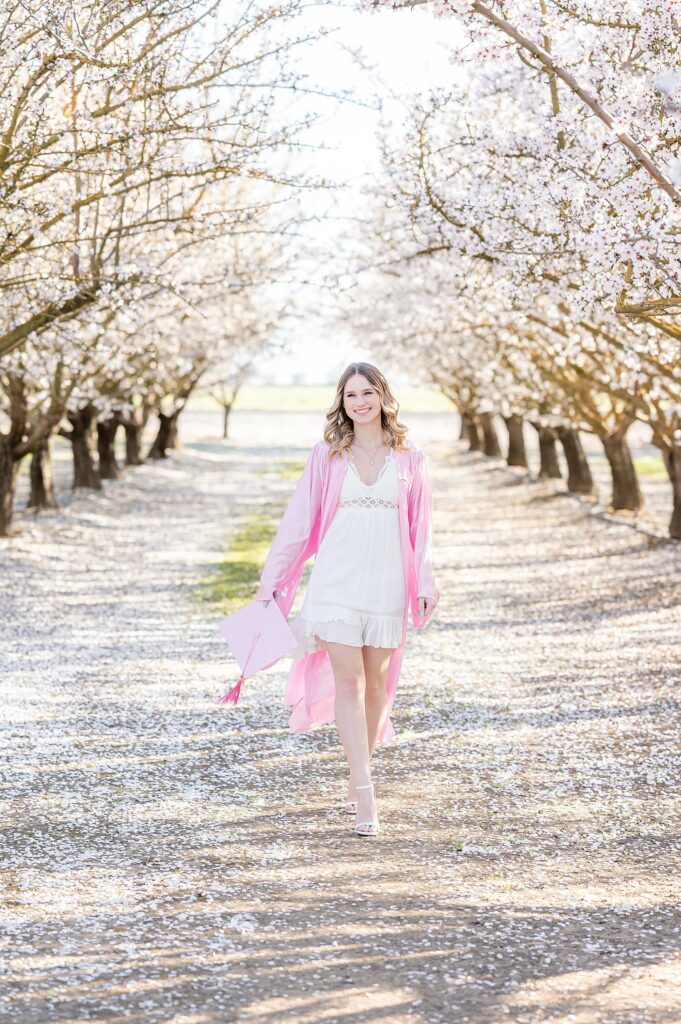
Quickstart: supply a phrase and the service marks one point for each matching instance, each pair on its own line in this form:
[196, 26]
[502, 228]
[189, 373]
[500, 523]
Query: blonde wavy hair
[339, 429]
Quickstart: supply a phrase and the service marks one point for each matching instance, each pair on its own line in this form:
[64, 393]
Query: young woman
[363, 507]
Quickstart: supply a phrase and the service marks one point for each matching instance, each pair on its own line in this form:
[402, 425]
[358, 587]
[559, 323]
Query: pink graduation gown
[310, 689]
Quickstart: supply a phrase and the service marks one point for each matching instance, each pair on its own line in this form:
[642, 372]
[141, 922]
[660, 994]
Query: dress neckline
[380, 474]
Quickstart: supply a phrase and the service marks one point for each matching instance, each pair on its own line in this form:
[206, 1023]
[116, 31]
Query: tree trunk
[9, 471]
[492, 448]
[463, 434]
[173, 436]
[580, 480]
[226, 409]
[473, 432]
[167, 429]
[517, 454]
[85, 473]
[106, 438]
[549, 467]
[626, 493]
[672, 461]
[42, 483]
[133, 442]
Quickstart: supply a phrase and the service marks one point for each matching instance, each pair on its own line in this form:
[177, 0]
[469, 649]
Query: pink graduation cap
[257, 635]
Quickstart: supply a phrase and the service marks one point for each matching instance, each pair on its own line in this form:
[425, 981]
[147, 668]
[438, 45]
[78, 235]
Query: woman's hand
[265, 595]
[425, 605]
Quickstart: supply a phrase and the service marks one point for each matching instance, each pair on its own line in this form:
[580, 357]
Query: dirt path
[169, 860]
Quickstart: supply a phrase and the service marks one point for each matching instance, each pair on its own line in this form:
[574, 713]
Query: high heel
[350, 806]
[367, 828]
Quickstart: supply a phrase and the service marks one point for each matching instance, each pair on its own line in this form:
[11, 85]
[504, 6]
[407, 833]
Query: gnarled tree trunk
[106, 438]
[580, 480]
[173, 435]
[491, 445]
[167, 432]
[517, 454]
[473, 432]
[167, 436]
[549, 467]
[626, 493]
[81, 436]
[133, 443]
[9, 471]
[134, 421]
[42, 483]
[672, 461]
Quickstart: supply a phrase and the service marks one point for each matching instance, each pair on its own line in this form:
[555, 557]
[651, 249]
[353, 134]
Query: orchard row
[524, 249]
[146, 215]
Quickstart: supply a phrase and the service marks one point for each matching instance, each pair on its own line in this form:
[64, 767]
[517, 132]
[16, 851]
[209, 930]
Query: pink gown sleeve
[421, 531]
[296, 538]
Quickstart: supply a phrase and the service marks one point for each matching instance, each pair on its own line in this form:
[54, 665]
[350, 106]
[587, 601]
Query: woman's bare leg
[350, 715]
[376, 660]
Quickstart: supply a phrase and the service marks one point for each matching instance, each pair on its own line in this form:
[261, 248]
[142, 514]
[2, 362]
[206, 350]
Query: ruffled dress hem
[345, 626]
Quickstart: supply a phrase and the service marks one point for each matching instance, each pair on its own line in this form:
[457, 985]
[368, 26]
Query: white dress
[355, 594]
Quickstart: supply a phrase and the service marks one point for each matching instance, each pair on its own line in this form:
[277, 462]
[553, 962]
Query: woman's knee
[375, 684]
[350, 685]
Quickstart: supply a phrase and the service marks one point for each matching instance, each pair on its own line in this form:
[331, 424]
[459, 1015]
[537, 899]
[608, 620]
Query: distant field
[316, 399]
[651, 465]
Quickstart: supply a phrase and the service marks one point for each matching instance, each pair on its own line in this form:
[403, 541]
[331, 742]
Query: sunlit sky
[402, 52]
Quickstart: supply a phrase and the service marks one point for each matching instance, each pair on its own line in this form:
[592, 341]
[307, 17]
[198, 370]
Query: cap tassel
[233, 696]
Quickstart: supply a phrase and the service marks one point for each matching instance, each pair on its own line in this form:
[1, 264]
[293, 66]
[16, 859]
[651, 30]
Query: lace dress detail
[355, 594]
[367, 501]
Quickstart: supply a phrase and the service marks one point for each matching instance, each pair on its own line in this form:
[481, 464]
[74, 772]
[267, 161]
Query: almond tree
[578, 45]
[514, 177]
[128, 138]
[114, 121]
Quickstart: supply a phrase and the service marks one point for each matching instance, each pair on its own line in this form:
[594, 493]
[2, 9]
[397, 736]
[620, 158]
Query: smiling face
[361, 400]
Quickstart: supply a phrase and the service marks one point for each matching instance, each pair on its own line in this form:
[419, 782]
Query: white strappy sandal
[367, 828]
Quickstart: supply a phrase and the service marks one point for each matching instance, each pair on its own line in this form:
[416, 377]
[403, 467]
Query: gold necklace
[371, 459]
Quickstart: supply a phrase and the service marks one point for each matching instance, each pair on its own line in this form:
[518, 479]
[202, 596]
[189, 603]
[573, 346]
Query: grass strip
[233, 581]
[291, 468]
